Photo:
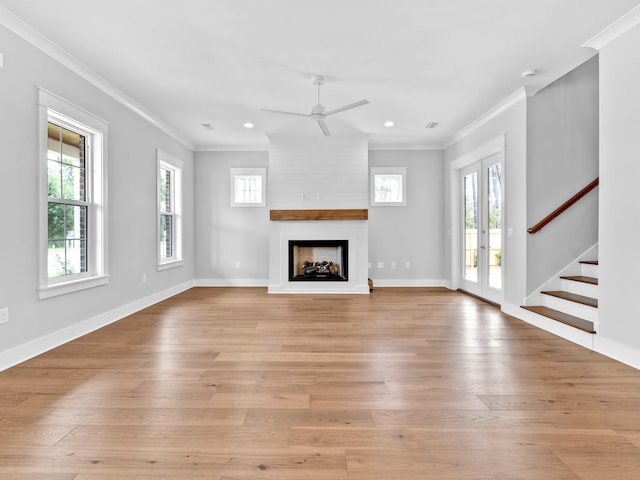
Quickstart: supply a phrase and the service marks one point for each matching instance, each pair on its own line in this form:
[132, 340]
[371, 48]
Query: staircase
[576, 303]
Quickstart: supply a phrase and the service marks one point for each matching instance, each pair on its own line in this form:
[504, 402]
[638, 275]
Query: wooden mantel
[345, 214]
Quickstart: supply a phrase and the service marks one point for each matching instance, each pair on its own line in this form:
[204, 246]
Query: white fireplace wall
[317, 172]
[308, 172]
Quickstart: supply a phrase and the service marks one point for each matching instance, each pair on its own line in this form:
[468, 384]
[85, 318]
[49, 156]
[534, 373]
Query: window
[388, 186]
[169, 211]
[248, 187]
[72, 207]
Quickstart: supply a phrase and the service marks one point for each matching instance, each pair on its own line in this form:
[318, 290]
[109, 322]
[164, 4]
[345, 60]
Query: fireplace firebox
[318, 260]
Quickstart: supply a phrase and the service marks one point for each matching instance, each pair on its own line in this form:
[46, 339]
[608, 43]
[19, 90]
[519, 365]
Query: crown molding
[232, 148]
[492, 113]
[406, 146]
[613, 31]
[38, 40]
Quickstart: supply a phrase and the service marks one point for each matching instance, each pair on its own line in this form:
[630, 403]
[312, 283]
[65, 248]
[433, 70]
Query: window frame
[54, 109]
[247, 172]
[387, 171]
[166, 161]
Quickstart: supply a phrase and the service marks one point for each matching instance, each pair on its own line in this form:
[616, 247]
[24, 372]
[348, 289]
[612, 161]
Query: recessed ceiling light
[207, 126]
[529, 73]
[248, 125]
[389, 123]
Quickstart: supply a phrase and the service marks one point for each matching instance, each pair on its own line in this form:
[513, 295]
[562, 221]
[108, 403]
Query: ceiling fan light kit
[318, 112]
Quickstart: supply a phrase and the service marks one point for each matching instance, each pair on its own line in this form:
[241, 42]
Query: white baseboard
[231, 282]
[622, 353]
[33, 348]
[385, 282]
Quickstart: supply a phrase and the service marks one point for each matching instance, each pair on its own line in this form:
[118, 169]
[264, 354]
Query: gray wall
[224, 234]
[413, 233]
[562, 157]
[132, 238]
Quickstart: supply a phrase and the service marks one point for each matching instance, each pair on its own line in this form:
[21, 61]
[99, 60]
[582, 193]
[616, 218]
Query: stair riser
[572, 308]
[589, 270]
[586, 289]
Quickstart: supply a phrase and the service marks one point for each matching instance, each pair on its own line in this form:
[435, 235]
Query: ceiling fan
[317, 112]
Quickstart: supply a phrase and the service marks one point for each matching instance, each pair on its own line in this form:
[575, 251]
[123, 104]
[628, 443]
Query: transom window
[248, 187]
[388, 186]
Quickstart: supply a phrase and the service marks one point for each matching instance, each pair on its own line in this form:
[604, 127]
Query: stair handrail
[565, 206]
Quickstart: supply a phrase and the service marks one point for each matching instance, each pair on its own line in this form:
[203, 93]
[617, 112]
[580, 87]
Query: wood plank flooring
[235, 384]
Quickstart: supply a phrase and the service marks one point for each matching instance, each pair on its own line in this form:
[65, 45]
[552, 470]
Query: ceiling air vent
[431, 125]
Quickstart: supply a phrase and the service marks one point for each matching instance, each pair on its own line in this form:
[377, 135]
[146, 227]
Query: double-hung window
[72, 190]
[169, 211]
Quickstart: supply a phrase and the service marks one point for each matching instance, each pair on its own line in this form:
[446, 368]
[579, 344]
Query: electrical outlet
[407, 265]
[237, 264]
[307, 196]
[1, 61]
[144, 278]
[393, 264]
[4, 315]
[369, 265]
[380, 264]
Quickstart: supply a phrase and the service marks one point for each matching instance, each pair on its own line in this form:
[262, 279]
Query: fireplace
[318, 260]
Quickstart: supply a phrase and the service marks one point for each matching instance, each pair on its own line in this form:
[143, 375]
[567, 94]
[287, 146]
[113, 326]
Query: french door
[482, 204]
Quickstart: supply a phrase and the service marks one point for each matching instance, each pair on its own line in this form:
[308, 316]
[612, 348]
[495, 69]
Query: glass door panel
[471, 227]
[494, 218]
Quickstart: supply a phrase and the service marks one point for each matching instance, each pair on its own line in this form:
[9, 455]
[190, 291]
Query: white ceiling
[220, 62]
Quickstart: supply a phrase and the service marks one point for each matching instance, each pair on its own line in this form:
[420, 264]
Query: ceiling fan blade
[324, 128]
[285, 113]
[347, 107]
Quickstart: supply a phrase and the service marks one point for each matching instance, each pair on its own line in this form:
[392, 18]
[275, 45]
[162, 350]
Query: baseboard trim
[231, 282]
[38, 346]
[385, 282]
[618, 351]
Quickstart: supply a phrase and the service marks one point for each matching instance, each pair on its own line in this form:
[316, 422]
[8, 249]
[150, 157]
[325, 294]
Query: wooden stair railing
[556, 213]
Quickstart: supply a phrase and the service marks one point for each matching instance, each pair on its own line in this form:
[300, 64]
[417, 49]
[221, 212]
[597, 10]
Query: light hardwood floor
[406, 384]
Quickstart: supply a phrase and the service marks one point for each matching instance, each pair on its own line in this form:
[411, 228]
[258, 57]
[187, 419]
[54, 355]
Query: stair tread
[573, 321]
[589, 262]
[582, 279]
[573, 297]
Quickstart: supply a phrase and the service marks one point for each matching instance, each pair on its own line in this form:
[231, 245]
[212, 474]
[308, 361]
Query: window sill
[169, 265]
[72, 286]
[389, 204]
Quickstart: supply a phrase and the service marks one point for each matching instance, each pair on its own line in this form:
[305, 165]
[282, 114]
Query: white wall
[36, 325]
[333, 170]
[224, 234]
[562, 157]
[619, 301]
[413, 233]
[511, 123]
